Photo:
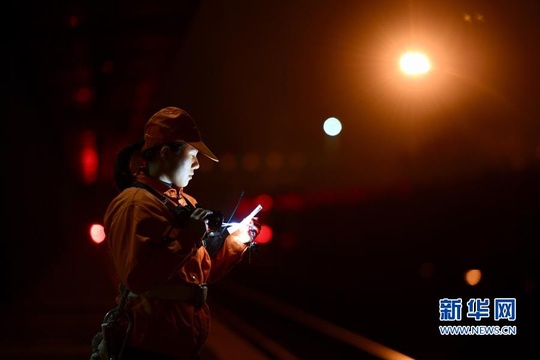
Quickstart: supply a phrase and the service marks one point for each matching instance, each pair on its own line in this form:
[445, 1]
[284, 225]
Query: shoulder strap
[180, 212]
[154, 192]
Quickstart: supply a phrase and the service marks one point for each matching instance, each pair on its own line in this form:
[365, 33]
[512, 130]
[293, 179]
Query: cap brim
[203, 149]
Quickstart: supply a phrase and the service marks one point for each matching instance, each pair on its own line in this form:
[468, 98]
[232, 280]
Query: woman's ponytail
[123, 175]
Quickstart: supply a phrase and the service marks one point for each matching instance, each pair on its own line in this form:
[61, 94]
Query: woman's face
[182, 166]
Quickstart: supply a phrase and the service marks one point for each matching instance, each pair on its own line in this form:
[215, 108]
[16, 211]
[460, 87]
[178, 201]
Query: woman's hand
[246, 233]
[254, 228]
[197, 223]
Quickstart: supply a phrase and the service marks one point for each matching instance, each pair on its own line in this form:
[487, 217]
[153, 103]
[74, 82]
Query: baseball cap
[170, 125]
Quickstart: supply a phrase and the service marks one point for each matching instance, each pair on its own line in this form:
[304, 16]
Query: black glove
[214, 241]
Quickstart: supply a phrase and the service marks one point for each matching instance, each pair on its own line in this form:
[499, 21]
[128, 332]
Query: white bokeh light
[332, 126]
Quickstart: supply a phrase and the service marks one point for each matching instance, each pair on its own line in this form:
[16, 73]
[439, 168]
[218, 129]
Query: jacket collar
[166, 189]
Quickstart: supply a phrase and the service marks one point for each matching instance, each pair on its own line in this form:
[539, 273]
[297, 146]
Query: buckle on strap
[200, 297]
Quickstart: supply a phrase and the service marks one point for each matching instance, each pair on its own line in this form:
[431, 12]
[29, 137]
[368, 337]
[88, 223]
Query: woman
[159, 241]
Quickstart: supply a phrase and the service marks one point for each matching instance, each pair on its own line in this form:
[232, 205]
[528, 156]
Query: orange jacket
[137, 225]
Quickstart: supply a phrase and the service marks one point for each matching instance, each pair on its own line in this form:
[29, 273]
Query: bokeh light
[265, 235]
[265, 201]
[251, 161]
[89, 161]
[332, 126]
[274, 161]
[84, 95]
[97, 233]
[414, 63]
[473, 276]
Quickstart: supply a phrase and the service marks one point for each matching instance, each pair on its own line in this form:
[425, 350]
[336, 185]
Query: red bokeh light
[89, 157]
[84, 95]
[266, 201]
[73, 21]
[97, 233]
[265, 236]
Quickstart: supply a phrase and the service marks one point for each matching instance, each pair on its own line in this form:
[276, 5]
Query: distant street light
[414, 64]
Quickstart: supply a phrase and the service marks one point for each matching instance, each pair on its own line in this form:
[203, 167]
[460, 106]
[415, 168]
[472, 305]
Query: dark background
[430, 177]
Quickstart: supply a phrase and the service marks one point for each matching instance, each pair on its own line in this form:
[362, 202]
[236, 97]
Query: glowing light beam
[414, 64]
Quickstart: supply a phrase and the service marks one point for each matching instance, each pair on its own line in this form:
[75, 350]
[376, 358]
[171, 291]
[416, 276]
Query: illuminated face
[182, 166]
